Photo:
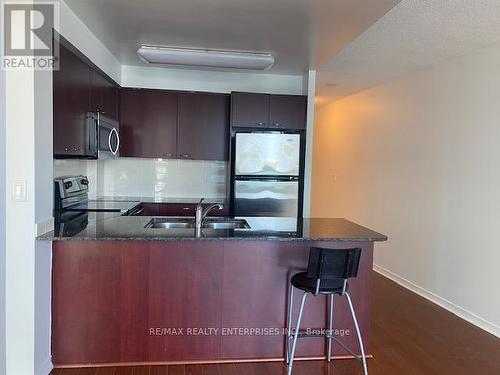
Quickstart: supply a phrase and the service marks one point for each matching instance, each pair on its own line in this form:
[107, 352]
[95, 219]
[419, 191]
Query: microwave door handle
[117, 141]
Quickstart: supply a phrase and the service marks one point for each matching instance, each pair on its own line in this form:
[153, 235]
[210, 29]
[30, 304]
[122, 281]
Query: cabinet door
[70, 106]
[287, 111]
[203, 132]
[179, 209]
[249, 110]
[103, 95]
[176, 209]
[148, 124]
[150, 209]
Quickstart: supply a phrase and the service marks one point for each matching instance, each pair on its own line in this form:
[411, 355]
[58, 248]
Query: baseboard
[45, 368]
[444, 303]
[201, 362]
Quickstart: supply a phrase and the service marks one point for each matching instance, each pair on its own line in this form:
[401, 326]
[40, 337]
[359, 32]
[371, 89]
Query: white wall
[43, 214]
[418, 159]
[74, 30]
[29, 157]
[2, 221]
[209, 80]
[20, 229]
[310, 84]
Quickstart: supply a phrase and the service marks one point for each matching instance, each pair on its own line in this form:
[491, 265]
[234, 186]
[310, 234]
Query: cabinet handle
[186, 156]
[277, 125]
[169, 155]
[261, 123]
[185, 208]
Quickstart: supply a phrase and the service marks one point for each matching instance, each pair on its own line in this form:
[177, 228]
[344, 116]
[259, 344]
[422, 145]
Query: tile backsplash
[159, 178]
[67, 167]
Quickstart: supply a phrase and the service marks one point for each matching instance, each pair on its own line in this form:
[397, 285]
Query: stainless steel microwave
[104, 136]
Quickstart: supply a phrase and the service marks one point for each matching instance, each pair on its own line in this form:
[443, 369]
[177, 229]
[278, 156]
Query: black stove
[73, 209]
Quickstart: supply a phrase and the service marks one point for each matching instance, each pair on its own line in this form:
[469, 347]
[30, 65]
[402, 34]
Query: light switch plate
[19, 190]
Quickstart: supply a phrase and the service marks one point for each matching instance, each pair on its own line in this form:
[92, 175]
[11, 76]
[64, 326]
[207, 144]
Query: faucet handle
[201, 201]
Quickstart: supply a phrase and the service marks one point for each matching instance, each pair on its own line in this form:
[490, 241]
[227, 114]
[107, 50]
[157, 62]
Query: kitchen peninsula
[126, 292]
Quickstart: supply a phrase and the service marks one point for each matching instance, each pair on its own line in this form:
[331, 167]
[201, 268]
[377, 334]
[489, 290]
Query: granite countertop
[116, 228]
[161, 199]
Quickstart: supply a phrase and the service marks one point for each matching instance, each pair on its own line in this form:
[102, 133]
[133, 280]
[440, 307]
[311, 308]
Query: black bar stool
[327, 273]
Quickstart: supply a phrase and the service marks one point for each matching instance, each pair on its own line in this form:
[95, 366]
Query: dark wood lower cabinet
[410, 335]
[164, 301]
[150, 209]
[178, 209]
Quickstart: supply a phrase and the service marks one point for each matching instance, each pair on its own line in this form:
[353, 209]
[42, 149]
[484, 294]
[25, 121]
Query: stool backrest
[333, 263]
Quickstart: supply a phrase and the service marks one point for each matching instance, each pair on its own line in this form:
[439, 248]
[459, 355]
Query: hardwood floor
[410, 335]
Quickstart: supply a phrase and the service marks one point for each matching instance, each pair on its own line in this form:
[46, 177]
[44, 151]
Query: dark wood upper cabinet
[268, 111]
[287, 111]
[71, 92]
[203, 132]
[249, 110]
[148, 126]
[79, 87]
[103, 95]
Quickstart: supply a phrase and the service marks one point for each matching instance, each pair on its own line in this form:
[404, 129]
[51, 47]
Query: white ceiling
[416, 34]
[302, 34]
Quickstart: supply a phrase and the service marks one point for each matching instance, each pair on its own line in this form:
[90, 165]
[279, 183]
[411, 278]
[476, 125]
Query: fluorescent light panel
[207, 58]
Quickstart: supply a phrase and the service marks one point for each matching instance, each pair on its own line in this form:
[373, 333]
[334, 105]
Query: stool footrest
[305, 334]
[327, 336]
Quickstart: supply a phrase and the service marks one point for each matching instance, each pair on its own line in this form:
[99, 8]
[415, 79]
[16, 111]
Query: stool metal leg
[296, 335]
[289, 324]
[360, 340]
[330, 328]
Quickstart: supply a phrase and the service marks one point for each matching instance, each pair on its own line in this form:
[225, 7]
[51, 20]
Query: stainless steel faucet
[201, 213]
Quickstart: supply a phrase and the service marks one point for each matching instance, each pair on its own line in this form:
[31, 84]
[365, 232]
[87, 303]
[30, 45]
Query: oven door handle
[117, 141]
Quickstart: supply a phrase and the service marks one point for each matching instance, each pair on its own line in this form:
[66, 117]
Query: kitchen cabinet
[148, 124]
[268, 111]
[179, 209]
[103, 95]
[170, 125]
[78, 88]
[287, 111]
[149, 209]
[249, 110]
[176, 209]
[110, 294]
[203, 131]
[70, 106]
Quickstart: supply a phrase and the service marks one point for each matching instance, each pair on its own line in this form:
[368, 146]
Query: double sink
[187, 223]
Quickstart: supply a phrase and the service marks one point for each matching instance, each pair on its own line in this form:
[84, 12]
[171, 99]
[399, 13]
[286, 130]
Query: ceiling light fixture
[204, 57]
